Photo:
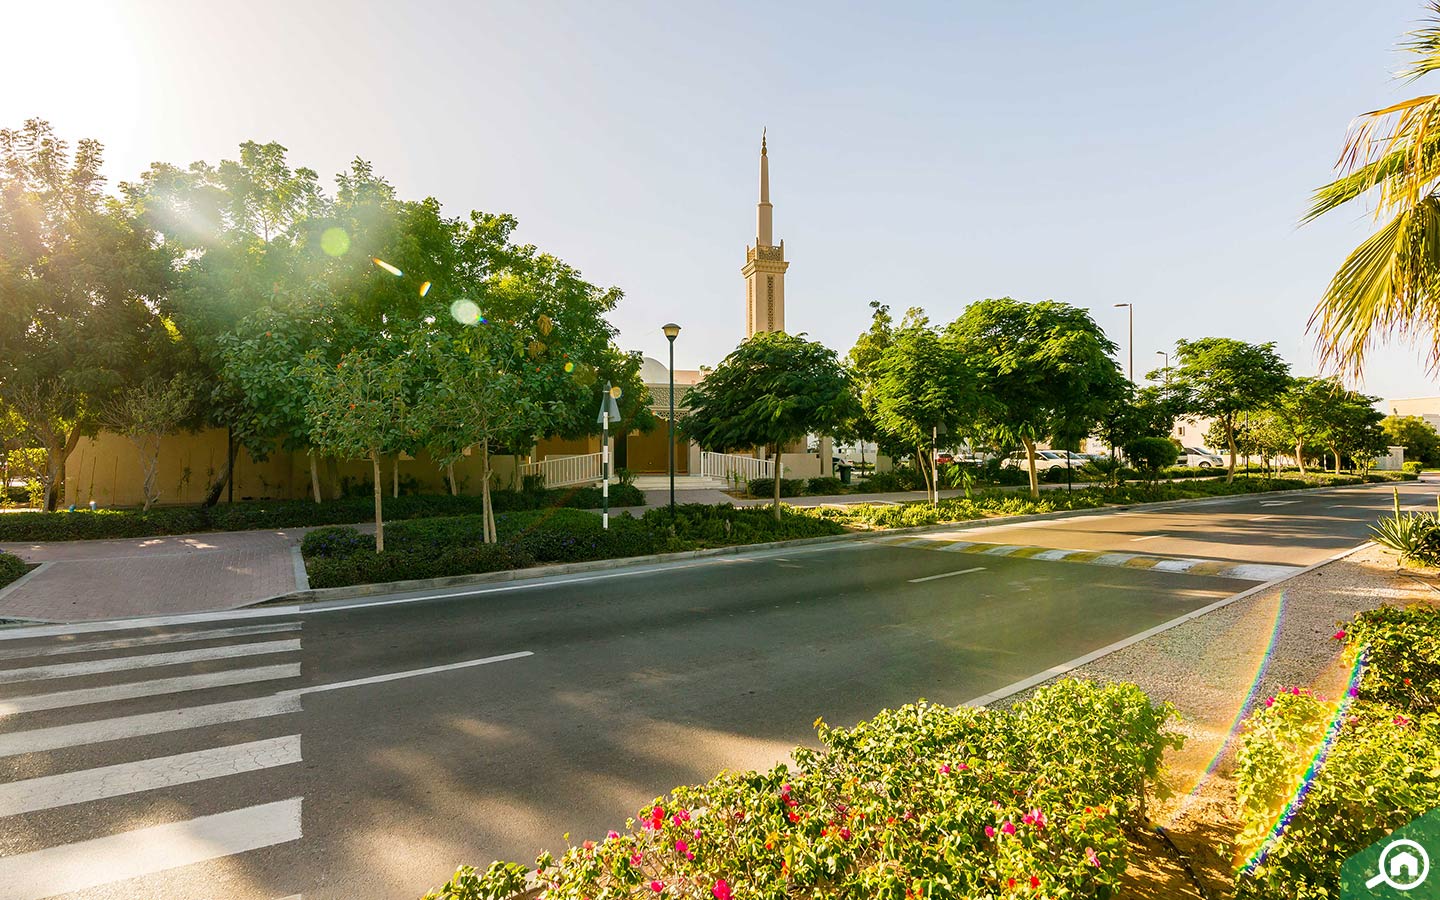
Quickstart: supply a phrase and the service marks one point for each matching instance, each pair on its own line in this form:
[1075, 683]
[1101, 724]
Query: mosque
[103, 469]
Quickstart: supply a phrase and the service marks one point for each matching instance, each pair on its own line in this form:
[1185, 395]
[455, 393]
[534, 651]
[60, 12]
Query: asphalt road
[364, 749]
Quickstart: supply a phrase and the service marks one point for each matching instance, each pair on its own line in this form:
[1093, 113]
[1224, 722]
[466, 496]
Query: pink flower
[1091, 857]
[681, 847]
[1269, 701]
[635, 859]
[1354, 692]
[657, 886]
[657, 817]
[1340, 635]
[721, 890]
[945, 769]
[697, 834]
[1037, 818]
[989, 831]
[1401, 721]
[962, 767]
[845, 834]
[1008, 827]
[613, 835]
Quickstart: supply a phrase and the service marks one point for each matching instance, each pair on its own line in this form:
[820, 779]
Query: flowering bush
[921, 801]
[1403, 655]
[11, 567]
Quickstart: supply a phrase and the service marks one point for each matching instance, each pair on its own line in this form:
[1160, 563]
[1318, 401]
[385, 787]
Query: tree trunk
[55, 457]
[379, 523]
[1336, 454]
[450, 476]
[332, 471]
[150, 468]
[314, 477]
[779, 475]
[395, 476]
[217, 487]
[488, 514]
[1230, 442]
[1030, 464]
[1300, 458]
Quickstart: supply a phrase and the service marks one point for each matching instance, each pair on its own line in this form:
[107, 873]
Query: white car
[1044, 460]
[1199, 457]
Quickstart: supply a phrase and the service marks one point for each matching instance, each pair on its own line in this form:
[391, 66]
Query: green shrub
[1413, 536]
[270, 514]
[925, 800]
[1412, 466]
[765, 487]
[371, 568]
[1151, 454]
[335, 541]
[1402, 655]
[1377, 776]
[11, 567]
[702, 525]
[825, 484]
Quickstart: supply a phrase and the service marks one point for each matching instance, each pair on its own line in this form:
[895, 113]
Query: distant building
[1427, 408]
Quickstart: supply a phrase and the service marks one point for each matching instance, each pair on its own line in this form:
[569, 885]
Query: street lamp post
[1167, 364]
[1131, 308]
[672, 331]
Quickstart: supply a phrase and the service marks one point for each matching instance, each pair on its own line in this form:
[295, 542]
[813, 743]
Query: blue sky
[924, 154]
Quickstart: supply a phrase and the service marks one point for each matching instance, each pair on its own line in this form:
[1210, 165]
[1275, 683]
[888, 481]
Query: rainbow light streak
[1332, 732]
[386, 266]
[424, 288]
[1234, 730]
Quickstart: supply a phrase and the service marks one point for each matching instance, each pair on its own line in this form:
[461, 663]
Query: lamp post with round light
[672, 331]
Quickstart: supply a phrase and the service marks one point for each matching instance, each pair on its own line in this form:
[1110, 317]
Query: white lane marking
[89, 785]
[1277, 502]
[181, 637]
[145, 851]
[98, 731]
[147, 661]
[947, 575]
[1259, 571]
[58, 699]
[412, 673]
[1148, 537]
[1262, 518]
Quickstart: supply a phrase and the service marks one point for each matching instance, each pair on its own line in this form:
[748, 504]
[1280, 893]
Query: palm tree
[1389, 286]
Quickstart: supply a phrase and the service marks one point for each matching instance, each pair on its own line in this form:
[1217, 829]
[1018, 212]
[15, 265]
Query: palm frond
[1424, 42]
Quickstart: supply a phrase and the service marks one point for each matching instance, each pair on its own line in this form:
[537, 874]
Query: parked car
[944, 459]
[1201, 458]
[1044, 460]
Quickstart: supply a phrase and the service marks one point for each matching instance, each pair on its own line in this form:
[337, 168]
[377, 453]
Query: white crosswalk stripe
[99, 859]
[182, 637]
[146, 661]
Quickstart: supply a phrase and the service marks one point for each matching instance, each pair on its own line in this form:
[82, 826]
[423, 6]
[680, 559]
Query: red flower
[1340, 635]
[794, 817]
[721, 890]
[657, 886]
[844, 834]
[1034, 881]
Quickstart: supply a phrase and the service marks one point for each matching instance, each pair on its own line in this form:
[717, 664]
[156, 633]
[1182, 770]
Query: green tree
[1388, 285]
[1300, 413]
[772, 390]
[1416, 435]
[80, 285]
[1149, 455]
[1146, 412]
[146, 413]
[922, 386]
[1045, 370]
[357, 409]
[1352, 428]
[1224, 378]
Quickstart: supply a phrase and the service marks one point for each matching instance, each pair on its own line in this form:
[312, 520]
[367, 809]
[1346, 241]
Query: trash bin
[844, 474]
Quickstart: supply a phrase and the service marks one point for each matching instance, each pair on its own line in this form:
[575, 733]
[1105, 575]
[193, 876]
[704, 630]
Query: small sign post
[608, 409]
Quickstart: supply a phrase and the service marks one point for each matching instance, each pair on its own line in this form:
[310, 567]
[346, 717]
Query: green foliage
[369, 567]
[698, 525]
[1413, 466]
[269, 514]
[1044, 370]
[1413, 536]
[924, 800]
[824, 484]
[906, 479]
[1151, 454]
[11, 567]
[1106, 469]
[1402, 655]
[765, 487]
[1417, 436]
[1223, 378]
[499, 882]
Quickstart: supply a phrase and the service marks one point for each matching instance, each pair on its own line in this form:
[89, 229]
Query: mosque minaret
[765, 264]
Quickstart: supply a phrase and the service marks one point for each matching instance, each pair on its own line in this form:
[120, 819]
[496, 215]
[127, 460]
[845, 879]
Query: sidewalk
[88, 580]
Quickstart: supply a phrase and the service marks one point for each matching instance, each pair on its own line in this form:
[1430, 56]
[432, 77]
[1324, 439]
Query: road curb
[15, 585]
[537, 573]
[1064, 668]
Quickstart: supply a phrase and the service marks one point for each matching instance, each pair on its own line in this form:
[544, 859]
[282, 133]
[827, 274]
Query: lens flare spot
[335, 241]
[466, 312]
[615, 392]
[569, 367]
[424, 288]
[386, 266]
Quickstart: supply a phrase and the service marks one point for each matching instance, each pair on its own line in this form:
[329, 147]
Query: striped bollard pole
[605, 470]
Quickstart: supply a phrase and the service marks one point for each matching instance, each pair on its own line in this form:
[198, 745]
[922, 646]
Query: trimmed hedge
[11, 567]
[267, 514]
[765, 487]
[922, 801]
[442, 547]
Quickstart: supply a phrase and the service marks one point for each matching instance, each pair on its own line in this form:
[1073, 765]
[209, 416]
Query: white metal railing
[560, 471]
[732, 465]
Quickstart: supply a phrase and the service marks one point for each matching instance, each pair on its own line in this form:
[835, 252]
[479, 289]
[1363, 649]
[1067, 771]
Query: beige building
[765, 264]
[1427, 408]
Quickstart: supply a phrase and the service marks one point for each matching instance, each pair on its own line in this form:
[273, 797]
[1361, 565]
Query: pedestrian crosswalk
[94, 722]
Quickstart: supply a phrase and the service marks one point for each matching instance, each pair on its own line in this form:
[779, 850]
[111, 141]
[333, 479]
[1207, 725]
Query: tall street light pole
[672, 331]
[1131, 308]
[1167, 364]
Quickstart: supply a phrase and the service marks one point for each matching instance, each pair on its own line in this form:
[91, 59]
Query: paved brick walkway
[87, 580]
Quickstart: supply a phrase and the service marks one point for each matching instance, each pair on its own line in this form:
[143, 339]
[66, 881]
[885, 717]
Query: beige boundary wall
[106, 469]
